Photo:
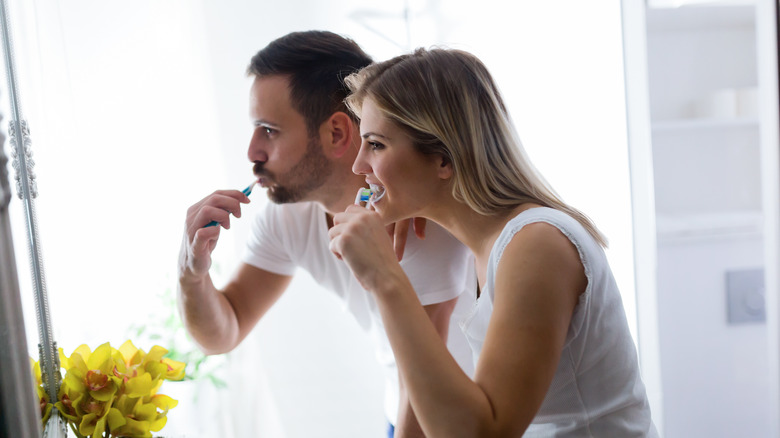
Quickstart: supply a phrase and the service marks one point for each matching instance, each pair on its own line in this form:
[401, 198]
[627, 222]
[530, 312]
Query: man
[303, 146]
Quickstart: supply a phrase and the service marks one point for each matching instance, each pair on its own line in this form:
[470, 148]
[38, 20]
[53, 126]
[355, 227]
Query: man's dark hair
[316, 63]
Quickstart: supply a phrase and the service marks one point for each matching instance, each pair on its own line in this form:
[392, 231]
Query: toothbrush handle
[211, 224]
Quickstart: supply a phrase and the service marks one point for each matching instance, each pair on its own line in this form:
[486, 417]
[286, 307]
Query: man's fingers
[197, 258]
[419, 226]
[400, 233]
[205, 218]
[216, 207]
[202, 242]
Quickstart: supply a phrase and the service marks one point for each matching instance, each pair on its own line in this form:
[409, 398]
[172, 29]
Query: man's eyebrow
[258, 122]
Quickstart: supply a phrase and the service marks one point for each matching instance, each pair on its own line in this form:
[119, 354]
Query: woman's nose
[360, 166]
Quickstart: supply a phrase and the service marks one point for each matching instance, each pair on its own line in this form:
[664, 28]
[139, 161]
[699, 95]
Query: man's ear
[336, 133]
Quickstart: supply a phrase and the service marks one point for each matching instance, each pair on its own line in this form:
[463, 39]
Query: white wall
[706, 162]
[714, 373]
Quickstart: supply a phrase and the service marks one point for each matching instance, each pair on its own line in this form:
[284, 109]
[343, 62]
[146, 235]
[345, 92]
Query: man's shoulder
[283, 233]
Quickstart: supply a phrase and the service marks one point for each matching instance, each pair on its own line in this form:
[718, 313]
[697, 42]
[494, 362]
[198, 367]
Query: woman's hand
[360, 239]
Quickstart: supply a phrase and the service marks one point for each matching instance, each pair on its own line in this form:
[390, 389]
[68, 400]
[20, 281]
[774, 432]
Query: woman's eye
[375, 145]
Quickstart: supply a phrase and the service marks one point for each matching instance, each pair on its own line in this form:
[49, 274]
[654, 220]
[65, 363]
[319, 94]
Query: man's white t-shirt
[288, 236]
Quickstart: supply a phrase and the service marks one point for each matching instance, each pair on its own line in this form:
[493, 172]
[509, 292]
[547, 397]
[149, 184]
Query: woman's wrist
[394, 283]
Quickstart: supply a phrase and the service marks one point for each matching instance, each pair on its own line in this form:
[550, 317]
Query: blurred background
[139, 109]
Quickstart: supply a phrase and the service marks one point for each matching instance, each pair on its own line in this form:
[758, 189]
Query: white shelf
[701, 17]
[708, 226]
[677, 125]
[665, 4]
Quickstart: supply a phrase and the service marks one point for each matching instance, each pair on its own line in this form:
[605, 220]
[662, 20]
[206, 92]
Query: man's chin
[281, 196]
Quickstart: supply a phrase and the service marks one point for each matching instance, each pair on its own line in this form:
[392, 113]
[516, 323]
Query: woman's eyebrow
[369, 134]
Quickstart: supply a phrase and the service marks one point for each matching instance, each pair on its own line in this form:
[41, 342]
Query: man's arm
[407, 425]
[219, 319]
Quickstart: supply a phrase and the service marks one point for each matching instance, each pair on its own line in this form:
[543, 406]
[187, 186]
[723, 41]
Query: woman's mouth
[377, 192]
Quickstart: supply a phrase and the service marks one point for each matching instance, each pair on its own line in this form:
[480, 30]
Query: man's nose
[257, 152]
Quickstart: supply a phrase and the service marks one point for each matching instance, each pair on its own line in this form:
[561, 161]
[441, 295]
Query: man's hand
[200, 239]
[218, 319]
[399, 230]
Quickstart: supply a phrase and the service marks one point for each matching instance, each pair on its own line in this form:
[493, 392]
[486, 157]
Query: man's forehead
[276, 86]
[270, 98]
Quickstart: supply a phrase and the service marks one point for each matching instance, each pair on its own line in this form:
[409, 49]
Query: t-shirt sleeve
[437, 265]
[265, 248]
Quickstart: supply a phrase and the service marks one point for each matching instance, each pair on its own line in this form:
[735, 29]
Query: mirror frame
[23, 420]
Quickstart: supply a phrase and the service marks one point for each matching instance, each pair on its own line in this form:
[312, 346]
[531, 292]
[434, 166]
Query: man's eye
[268, 130]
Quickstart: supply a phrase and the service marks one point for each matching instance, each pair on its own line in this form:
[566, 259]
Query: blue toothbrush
[247, 191]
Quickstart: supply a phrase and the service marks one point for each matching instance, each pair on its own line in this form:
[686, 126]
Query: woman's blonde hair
[448, 103]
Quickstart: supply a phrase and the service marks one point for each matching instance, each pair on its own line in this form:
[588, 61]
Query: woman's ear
[445, 167]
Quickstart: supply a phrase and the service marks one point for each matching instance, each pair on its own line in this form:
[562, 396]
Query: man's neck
[339, 191]
[338, 198]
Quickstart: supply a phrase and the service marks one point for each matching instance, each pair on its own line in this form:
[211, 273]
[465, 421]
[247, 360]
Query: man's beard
[308, 174]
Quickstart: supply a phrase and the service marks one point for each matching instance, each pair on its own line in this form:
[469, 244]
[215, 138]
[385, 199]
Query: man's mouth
[264, 178]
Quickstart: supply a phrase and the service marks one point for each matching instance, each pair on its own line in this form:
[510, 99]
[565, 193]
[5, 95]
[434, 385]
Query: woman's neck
[477, 231]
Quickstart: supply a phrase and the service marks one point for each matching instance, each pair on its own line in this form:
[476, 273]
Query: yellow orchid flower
[67, 407]
[163, 403]
[44, 404]
[114, 391]
[95, 416]
[64, 360]
[72, 392]
[141, 418]
[141, 385]
[131, 354]
[43, 398]
[94, 424]
[36, 369]
[95, 370]
[159, 366]
[131, 361]
[175, 369]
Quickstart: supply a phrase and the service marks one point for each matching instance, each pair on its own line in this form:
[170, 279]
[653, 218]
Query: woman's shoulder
[567, 225]
[535, 222]
[540, 222]
[536, 215]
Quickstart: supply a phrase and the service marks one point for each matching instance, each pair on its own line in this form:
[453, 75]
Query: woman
[548, 332]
